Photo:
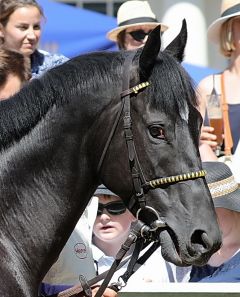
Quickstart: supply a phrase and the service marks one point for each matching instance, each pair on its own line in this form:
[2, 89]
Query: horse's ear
[177, 46]
[150, 52]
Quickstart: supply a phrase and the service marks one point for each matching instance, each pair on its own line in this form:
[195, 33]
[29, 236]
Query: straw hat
[134, 13]
[222, 185]
[229, 9]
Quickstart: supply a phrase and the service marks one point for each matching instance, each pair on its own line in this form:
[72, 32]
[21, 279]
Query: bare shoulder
[205, 86]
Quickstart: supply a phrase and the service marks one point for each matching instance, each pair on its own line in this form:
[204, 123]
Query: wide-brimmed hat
[102, 190]
[222, 185]
[229, 9]
[134, 13]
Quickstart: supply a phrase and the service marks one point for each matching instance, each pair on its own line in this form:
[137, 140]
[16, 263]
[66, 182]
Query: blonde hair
[227, 45]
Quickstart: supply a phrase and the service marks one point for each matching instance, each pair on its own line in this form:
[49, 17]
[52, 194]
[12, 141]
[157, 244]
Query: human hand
[107, 293]
[208, 137]
[206, 153]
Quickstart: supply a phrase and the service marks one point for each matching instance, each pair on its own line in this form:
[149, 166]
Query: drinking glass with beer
[215, 117]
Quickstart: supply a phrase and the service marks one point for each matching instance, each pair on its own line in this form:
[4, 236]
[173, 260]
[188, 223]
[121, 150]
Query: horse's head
[161, 163]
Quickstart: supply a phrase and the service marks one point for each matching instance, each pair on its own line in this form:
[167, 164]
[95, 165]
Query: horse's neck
[46, 180]
[43, 191]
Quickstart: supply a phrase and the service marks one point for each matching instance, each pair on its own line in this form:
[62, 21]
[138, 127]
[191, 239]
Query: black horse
[66, 132]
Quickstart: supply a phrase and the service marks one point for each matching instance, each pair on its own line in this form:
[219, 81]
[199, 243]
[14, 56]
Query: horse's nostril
[207, 240]
[201, 239]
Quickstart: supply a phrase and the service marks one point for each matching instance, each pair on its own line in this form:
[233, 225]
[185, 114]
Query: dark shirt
[227, 272]
[234, 122]
[48, 290]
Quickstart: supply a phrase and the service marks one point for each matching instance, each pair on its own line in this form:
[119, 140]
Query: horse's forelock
[173, 90]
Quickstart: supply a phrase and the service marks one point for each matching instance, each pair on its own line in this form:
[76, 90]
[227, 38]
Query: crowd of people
[106, 222]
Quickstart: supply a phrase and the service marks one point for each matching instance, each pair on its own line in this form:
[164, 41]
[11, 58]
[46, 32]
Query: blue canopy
[72, 31]
[198, 72]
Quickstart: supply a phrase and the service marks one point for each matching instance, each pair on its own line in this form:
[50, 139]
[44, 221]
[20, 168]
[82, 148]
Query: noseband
[141, 186]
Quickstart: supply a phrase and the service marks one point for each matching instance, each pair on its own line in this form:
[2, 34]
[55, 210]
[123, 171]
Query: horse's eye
[157, 132]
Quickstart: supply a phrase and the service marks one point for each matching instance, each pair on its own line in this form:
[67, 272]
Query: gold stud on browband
[176, 178]
[141, 86]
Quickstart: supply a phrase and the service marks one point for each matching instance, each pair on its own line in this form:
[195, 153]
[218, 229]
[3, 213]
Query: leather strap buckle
[85, 286]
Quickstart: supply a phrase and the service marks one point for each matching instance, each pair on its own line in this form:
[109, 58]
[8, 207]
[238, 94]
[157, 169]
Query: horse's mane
[85, 74]
[95, 74]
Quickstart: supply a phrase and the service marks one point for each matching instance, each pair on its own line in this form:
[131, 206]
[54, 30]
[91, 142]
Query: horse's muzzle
[197, 252]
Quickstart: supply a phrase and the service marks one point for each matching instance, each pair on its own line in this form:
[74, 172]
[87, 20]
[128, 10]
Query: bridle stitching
[176, 178]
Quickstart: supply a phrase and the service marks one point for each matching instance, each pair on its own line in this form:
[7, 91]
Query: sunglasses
[139, 35]
[113, 208]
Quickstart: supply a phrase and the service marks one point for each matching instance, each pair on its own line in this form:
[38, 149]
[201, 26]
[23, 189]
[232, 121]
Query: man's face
[136, 37]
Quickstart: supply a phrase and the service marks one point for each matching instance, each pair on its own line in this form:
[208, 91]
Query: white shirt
[155, 269]
[76, 257]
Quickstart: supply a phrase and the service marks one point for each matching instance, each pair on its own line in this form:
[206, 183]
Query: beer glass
[214, 112]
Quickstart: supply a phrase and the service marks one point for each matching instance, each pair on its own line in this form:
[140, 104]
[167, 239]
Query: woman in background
[225, 32]
[20, 30]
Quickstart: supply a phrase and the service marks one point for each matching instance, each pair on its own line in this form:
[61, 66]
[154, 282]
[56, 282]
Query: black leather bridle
[140, 184]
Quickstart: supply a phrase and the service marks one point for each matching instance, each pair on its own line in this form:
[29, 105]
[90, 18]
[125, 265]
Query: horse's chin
[169, 248]
[171, 252]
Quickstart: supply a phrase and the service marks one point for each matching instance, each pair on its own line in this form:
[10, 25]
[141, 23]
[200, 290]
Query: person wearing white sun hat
[135, 21]
[230, 9]
[225, 32]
